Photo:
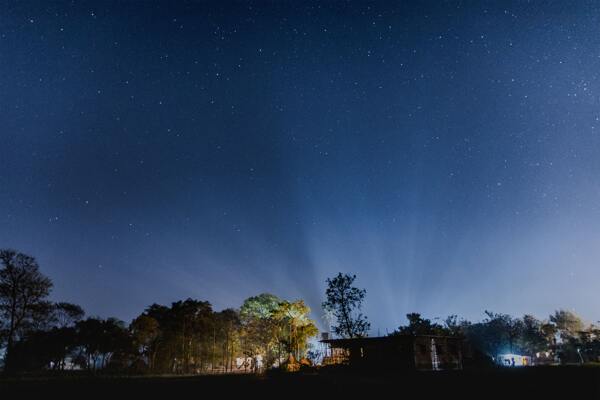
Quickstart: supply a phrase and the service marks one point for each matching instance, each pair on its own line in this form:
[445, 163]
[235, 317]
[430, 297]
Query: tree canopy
[344, 301]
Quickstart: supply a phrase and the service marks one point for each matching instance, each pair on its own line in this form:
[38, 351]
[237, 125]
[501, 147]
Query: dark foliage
[344, 301]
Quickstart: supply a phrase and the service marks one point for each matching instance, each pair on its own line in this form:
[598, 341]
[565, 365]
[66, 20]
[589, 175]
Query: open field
[534, 382]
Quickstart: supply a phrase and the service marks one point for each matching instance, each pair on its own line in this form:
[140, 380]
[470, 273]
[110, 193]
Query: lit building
[514, 360]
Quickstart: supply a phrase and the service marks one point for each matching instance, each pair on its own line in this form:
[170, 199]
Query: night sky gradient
[448, 153]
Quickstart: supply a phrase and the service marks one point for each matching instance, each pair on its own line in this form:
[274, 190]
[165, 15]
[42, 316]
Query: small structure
[422, 352]
[249, 363]
[513, 360]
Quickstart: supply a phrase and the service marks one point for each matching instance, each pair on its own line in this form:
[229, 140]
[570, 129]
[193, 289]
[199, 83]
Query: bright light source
[513, 360]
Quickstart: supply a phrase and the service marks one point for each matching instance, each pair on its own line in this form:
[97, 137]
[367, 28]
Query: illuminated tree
[259, 326]
[186, 337]
[568, 324]
[573, 333]
[261, 306]
[297, 328]
[276, 328]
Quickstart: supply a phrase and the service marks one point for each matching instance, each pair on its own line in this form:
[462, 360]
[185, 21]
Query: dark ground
[534, 382]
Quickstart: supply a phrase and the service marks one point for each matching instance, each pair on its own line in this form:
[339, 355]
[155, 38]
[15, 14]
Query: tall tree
[259, 326]
[66, 314]
[101, 340]
[184, 339]
[497, 333]
[145, 332]
[568, 323]
[344, 301]
[533, 337]
[295, 327]
[23, 296]
[192, 323]
[228, 326]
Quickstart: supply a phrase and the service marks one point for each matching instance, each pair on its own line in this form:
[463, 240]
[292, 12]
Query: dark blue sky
[446, 153]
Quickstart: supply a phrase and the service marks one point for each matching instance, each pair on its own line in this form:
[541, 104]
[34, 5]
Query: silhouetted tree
[589, 344]
[44, 350]
[100, 340]
[421, 326]
[497, 333]
[454, 326]
[344, 301]
[145, 332]
[23, 297]
[192, 321]
[228, 326]
[66, 314]
[184, 340]
[533, 338]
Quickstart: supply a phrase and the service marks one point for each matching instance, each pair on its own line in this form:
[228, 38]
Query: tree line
[561, 338]
[187, 336]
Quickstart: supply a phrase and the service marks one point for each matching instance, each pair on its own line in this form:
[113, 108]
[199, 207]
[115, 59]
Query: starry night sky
[446, 153]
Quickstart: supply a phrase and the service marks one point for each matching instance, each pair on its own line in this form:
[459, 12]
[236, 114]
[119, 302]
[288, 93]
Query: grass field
[533, 382]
